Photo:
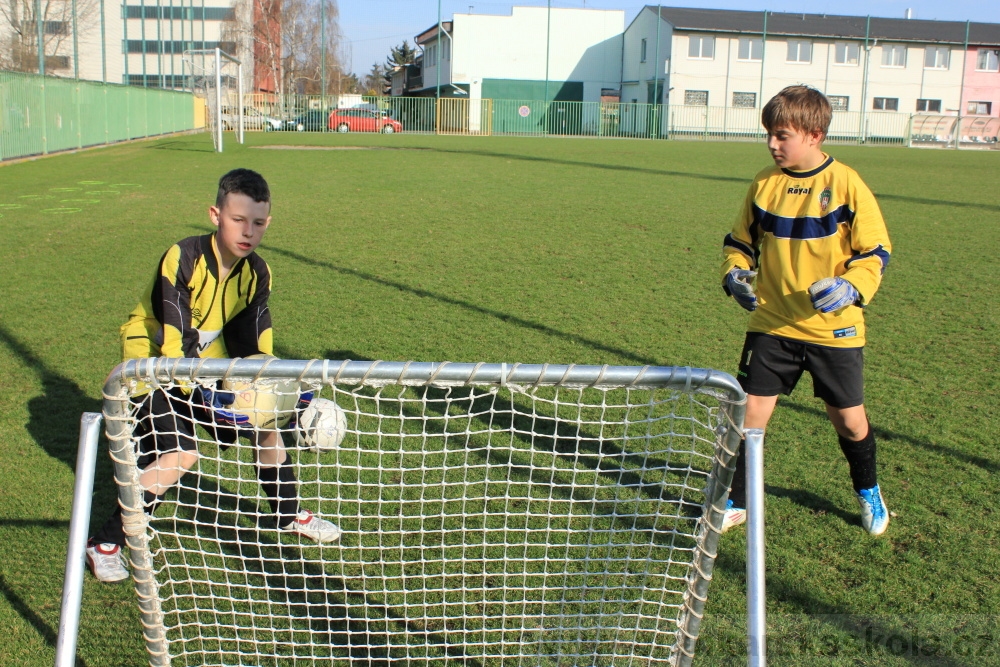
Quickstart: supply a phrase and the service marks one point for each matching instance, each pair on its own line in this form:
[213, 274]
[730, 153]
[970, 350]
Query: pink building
[981, 83]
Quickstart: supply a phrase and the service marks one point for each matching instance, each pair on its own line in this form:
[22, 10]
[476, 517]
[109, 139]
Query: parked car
[363, 120]
[310, 121]
[253, 120]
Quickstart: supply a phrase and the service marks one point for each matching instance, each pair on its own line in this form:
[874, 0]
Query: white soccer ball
[321, 426]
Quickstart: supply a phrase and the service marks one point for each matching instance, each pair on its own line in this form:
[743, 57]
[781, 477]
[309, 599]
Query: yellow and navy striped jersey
[189, 312]
[798, 227]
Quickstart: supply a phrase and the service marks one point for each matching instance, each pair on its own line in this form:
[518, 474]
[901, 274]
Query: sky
[372, 27]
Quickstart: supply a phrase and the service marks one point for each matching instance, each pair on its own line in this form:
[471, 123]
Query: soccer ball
[321, 426]
[268, 404]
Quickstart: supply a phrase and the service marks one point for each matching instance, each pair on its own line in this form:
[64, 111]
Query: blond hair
[800, 107]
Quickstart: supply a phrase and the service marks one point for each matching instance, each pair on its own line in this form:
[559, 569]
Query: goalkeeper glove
[738, 286]
[832, 294]
[218, 403]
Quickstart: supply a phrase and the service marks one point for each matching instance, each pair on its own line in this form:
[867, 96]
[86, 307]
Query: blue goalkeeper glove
[218, 402]
[738, 286]
[831, 294]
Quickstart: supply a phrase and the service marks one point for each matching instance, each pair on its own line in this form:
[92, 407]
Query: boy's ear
[213, 215]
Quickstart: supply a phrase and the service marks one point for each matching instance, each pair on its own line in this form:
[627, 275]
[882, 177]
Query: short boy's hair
[245, 182]
[800, 107]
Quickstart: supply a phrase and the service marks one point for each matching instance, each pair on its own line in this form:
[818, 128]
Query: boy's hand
[739, 287]
[219, 402]
[832, 294]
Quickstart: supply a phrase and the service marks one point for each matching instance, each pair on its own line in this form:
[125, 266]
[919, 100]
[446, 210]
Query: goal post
[503, 514]
[217, 77]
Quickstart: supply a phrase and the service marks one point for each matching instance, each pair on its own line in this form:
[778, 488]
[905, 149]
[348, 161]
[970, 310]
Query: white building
[533, 54]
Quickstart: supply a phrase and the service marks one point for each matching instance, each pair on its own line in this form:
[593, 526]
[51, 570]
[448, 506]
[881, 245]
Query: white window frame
[927, 105]
[799, 45]
[885, 100]
[982, 108]
[846, 46]
[937, 51]
[642, 50]
[702, 40]
[846, 98]
[992, 58]
[752, 44]
[889, 52]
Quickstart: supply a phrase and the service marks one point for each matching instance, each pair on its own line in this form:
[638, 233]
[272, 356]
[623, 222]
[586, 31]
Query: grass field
[526, 250]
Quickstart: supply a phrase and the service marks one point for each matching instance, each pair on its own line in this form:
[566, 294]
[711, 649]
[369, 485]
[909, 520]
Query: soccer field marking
[102, 192]
[125, 185]
[62, 209]
[91, 182]
[79, 201]
[283, 147]
[11, 206]
[64, 189]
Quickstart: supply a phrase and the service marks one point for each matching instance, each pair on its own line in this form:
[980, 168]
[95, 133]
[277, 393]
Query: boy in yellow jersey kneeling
[208, 298]
[806, 256]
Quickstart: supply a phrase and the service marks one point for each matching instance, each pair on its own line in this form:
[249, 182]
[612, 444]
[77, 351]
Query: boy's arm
[249, 332]
[738, 249]
[869, 244]
[171, 302]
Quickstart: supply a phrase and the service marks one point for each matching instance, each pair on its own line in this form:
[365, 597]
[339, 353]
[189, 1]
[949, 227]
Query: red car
[363, 120]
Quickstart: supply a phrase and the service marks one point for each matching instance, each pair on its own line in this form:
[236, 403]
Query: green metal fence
[536, 118]
[40, 115]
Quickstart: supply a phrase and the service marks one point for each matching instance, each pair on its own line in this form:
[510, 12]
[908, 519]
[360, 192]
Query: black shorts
[166, 421]
[770, 366]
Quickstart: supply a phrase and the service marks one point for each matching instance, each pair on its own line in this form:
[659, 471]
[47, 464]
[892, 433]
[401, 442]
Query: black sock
[112, 532]
[738, 494]
[861, 459]
[282, 491]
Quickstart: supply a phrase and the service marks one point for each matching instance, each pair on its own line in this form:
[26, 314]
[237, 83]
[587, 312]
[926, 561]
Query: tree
[19, 35]
[373, 83]
[399, 56]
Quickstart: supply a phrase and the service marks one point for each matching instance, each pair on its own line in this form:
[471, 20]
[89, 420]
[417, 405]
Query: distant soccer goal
[216, 77]
[492, 514]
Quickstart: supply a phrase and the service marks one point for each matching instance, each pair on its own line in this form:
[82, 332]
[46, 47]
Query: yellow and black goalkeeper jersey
[798, 227]
[189, 312]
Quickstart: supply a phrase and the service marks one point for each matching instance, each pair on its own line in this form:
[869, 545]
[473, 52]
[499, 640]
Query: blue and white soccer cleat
[734, 516]
[874, 514]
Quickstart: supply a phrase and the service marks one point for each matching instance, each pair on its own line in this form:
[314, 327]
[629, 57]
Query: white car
[254, 120]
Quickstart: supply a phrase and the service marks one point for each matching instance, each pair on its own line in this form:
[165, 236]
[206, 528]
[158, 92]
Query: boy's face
[794, 149]
[242, 223]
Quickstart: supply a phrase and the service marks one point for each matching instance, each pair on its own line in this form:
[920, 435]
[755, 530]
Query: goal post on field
[491, 513]
[212, 74]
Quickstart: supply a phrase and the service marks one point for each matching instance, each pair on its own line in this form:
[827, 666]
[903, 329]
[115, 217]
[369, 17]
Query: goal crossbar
[574, 511]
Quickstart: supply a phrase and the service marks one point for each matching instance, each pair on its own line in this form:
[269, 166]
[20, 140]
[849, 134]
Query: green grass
[527, 250]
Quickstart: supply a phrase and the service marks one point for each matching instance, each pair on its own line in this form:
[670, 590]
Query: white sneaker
[309, 525]
[107, 562]
[734, 516]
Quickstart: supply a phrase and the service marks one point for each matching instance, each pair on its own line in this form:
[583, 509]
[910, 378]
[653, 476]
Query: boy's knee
[188, 458]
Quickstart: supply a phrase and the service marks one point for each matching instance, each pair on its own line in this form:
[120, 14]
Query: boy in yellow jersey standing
[208, 298]
[806, 256]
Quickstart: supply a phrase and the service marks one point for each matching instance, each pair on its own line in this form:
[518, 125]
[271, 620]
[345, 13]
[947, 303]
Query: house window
[886, 104]
[929, 106]
[979, 108]
[642, 51]
[838, 102]
[846, 53]
[745, 100]
[799, 51]
[937, 57]
[430, 56]
[988, 60]
[894, 55]
[446, 50]
[696, 98]
[751, 48]
[701, 46]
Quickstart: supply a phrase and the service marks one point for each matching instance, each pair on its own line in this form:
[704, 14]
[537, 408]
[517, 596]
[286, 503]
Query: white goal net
[216, 78]
[492, 514]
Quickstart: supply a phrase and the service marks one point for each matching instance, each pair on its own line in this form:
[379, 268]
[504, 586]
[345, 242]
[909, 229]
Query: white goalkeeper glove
[738, 286]
[831, 294]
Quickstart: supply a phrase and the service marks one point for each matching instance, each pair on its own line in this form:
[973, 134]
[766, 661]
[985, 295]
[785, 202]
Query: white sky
[372, 27]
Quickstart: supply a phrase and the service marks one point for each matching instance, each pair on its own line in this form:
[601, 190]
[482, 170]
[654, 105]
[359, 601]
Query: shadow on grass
[503, 317]
[47, 633]
[813, 503]
[889, 435]
[321, 608]
[189, 145]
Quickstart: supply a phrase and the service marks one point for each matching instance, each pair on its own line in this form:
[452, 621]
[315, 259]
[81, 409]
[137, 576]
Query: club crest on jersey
[824, 199]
